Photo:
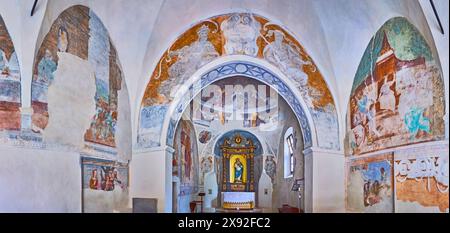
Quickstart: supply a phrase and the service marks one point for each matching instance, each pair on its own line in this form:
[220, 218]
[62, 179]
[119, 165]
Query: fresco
[79, 32]
[370, 185]
[270, 166]
[397, 95]
[10, 99]
[422, 179]
[105, 185]
[185, 158]
[206, 166]
[151, 121]
[204, 136]
[250, 35]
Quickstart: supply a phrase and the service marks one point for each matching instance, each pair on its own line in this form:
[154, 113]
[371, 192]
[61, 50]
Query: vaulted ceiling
[334, 33]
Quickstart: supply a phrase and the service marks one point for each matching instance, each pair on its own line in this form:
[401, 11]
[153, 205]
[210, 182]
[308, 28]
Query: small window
[289, 148]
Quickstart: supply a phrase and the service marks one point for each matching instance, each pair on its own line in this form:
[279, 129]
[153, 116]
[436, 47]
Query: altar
[238, 200]
[238, 188]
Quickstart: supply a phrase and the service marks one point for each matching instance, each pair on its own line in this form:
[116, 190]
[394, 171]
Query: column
[151, 176]
[25, 121]
[324, 180]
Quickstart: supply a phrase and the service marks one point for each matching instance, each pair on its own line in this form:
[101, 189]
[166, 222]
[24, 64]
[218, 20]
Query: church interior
[218, 106]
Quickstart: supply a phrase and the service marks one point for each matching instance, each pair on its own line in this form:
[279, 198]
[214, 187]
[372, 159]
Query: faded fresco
[105, 185]
[421, 179]
[244, 34]
[10, 99]
[397, 96]
[80, 33]
[370, 184]
[185, 158]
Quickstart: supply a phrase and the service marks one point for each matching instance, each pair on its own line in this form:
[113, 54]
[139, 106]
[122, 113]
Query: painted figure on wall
[188, 60]
[287, 58]
[270, 167]
[204, 136]
[104, 175]
[186, 157]
[10, 86]
[186, 152]
[241, 34]
[369, 186]
[79, 36]
[397, 95]
[63, 39]
[93, 182]
[46, 67]
[238, 171]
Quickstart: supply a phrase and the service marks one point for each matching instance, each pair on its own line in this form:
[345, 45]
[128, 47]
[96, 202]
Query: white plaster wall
[265, 183]
[39, 180]
[151, 176]
[70, 110]
[324, 181]
[123, 133]
[210, 184]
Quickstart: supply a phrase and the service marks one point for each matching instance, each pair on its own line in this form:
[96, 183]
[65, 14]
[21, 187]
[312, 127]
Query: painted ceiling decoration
[397, 96]
[10, 93]
[79, 35]
[236, 34]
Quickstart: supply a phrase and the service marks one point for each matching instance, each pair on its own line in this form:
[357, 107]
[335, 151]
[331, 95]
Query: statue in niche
[63, 40]
[241, 33]
[189, 59]
[287, 58]
[46, 67]
[238, 171]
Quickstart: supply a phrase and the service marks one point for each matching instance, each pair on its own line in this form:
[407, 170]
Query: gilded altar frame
[240, 149]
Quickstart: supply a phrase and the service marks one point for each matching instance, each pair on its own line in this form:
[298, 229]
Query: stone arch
[222, 36]
[242, 66]
[247, 134]
[10, 86]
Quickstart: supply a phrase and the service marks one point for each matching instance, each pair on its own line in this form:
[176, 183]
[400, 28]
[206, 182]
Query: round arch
[233, 65]
[257, 142]
[265, 40]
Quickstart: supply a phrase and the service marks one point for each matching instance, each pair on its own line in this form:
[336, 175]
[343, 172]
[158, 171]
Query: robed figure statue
[238, 171]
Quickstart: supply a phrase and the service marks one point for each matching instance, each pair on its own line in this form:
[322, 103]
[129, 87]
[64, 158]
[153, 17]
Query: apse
[231, 151]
